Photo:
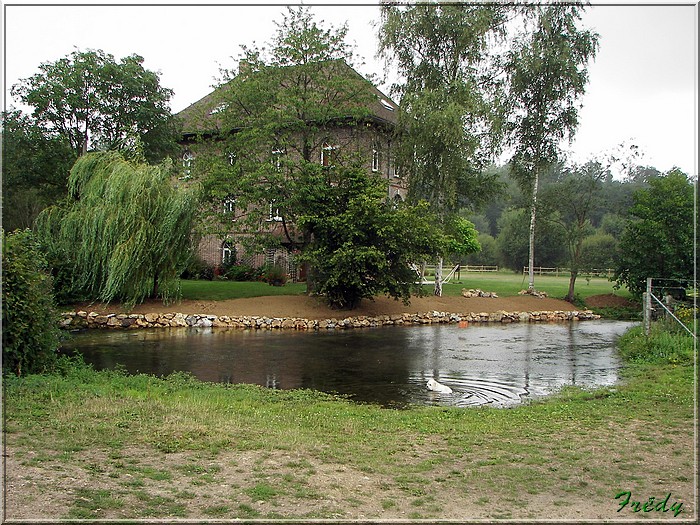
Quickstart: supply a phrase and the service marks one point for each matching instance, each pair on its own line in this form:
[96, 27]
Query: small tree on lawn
[124, 232]
[362, 245]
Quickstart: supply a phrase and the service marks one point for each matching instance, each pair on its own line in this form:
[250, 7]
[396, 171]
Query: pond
[499, 365]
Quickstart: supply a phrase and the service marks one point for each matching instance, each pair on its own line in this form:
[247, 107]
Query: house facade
[370, 138]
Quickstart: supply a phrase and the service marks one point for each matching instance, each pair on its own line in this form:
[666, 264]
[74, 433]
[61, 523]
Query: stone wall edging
[83, 319]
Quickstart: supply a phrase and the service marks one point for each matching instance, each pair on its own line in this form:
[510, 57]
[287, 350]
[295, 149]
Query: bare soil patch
[609, 301]
[315, 308]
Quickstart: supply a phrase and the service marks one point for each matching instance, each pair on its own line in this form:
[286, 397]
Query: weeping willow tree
[125, 230]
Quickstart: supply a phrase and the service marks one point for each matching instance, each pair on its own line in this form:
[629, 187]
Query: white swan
[437, 387]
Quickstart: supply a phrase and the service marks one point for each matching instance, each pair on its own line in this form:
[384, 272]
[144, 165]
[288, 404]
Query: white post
[647, 307]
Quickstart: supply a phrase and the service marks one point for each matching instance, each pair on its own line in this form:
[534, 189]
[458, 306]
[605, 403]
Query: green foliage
[362, 246]
[660, 347]
[659, 238]
[124, 233]
[94, 102]
[30, 333]
[35, 166]
[242, 272]
[462, 237]
[513, 245]
[487, 256]
[598, 251]
[450, 108]
[546, 74]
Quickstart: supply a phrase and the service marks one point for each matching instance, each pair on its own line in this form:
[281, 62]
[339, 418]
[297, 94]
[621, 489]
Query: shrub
[242, 272]
[198, 269]
[275, 275]
[30, 332]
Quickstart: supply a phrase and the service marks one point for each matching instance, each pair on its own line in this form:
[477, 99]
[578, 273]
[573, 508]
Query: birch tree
[450, 109]
[547, 74]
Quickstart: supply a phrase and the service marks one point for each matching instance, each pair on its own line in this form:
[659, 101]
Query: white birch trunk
[438, 278]
[533, 212]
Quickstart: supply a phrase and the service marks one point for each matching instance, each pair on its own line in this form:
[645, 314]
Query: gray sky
[642, 90]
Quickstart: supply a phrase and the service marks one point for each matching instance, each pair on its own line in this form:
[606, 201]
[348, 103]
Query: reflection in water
[491, 364]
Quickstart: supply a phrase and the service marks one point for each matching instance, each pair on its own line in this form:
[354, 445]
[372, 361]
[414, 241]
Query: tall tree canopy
[547, 74]
[124, 232]
[35, 167]
[660, 237]
[450, 105]
[277, 120]
[96, 102]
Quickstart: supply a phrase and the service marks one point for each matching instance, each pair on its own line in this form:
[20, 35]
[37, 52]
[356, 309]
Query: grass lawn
[503, 283]
[103, 445]
[221, 290]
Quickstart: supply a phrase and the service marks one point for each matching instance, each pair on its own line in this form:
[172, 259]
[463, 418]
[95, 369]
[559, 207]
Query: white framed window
[228, 253]
[274, 213]
[375, 159]
[388, 105]
[277, 158]
[187, 161]
[230, 205]
[328, 154]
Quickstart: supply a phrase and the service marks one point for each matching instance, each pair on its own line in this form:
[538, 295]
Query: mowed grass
[505, 284]
[222, 290]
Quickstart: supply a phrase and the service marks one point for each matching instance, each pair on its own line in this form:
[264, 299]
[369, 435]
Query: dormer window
[388, 105]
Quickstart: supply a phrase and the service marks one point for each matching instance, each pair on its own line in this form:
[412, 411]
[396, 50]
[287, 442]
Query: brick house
[371, 138]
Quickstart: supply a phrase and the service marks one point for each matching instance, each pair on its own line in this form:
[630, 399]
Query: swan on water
[438, 387]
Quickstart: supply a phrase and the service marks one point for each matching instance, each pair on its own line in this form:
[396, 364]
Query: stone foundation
[79, 320]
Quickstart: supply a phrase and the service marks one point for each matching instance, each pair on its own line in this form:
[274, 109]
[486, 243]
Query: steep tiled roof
[201, 116]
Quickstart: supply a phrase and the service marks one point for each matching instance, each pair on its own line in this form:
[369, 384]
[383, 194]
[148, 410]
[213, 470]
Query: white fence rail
[559, 272]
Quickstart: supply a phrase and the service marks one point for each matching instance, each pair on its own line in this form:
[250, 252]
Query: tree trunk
[438, 278]
[533, 213]
[154, 294]
[572, 283]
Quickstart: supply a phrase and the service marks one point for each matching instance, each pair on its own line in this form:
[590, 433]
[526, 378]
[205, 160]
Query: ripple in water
[472, 391]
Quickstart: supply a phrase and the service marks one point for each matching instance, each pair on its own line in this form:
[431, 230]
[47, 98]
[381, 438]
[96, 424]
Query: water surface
[499, 365]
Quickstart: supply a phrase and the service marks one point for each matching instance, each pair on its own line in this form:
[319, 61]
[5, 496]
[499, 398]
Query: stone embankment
[82, 319]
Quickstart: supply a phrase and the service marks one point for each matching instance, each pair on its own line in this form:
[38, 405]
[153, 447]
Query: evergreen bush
[30, 322]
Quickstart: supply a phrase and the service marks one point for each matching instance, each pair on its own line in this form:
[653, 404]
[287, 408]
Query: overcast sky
[642, 90]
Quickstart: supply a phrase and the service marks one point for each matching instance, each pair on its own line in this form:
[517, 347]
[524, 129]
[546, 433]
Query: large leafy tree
[547, 72]
[277, 116]
[450, 111]
[124, 231]
[94, 101]
[363, 246]
[659, 238]
[35, 166]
